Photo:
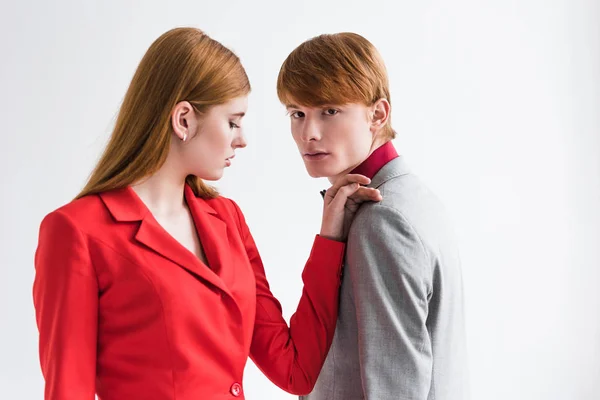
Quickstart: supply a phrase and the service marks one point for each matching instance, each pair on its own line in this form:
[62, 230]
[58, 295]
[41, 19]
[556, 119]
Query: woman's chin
[212, 175]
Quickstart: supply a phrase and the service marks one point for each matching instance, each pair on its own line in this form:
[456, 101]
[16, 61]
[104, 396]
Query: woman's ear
[380, 113]
[184, 120]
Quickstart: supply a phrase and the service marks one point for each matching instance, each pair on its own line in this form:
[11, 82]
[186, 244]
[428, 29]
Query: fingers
[345, 181]
[338, 201]
[342, 201]
[351, 178]
[366, 194]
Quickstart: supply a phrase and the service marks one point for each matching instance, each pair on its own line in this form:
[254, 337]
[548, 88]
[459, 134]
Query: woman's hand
[342, 200]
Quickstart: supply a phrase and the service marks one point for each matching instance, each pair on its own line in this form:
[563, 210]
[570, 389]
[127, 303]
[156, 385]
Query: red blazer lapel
[125, 206]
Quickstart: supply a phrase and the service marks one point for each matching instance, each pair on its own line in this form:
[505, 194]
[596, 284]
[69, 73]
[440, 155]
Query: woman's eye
[233, 125]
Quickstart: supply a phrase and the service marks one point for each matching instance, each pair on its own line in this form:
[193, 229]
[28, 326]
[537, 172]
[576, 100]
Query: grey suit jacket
[400, 331]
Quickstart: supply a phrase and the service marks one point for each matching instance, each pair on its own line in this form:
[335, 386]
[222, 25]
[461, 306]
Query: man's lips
[315, 155]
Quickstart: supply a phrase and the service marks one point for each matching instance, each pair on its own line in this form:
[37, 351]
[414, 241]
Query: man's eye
[331, 111]
[297, 114]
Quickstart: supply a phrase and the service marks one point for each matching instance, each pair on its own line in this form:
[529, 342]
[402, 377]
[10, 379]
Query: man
[400, 331]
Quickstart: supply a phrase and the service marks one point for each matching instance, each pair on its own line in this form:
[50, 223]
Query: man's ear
[379, 113]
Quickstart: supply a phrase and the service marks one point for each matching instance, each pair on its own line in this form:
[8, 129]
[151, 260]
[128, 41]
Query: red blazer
[127, 312]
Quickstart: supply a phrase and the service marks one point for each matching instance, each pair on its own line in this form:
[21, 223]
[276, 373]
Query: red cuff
[325, 262]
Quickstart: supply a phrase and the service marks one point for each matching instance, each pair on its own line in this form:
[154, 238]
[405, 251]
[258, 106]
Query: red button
[236, 389]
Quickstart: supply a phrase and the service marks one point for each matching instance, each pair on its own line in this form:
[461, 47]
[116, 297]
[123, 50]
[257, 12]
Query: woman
[149, 285]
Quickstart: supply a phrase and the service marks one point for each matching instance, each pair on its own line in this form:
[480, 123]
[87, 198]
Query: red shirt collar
[376, 160]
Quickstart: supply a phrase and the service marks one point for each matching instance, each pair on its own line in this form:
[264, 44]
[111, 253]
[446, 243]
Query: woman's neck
[163, 193]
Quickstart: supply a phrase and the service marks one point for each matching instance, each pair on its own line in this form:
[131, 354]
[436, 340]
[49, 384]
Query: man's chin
[315, 174]
[321, 173]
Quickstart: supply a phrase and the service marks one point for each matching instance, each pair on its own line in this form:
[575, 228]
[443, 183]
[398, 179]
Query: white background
[497, 108]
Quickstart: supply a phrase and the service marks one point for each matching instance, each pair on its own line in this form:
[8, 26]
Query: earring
[184, 136]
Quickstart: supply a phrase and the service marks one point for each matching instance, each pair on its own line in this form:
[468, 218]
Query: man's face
[332, 139]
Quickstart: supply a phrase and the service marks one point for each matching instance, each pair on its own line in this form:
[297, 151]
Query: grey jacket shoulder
[405, 193]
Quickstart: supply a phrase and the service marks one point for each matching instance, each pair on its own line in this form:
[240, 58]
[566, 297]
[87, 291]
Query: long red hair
[182, 64]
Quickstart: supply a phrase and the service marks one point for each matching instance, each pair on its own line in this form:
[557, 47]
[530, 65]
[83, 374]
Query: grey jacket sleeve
[391, 287]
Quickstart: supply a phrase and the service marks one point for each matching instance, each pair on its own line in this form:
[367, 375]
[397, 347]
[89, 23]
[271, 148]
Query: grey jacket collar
[394, 168]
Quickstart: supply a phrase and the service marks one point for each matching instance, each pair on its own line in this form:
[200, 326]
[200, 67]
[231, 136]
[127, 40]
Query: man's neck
[376, 144]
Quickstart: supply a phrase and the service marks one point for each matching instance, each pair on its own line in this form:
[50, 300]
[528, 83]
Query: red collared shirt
[376, 160]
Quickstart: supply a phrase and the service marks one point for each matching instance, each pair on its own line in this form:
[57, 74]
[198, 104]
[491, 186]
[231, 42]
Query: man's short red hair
[334, 69]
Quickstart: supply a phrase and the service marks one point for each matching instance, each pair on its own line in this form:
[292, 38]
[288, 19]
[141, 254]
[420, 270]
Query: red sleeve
[292, 357]
[65, 295]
